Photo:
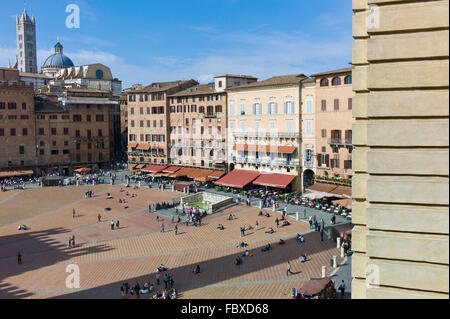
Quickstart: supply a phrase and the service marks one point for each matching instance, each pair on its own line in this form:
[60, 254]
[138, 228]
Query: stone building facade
[401, 156]
[333, 123]
[149, 121]
[57, 129]
[264, 127]
[17, 134]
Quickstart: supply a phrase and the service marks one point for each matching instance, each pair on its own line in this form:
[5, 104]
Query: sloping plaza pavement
[107, 258]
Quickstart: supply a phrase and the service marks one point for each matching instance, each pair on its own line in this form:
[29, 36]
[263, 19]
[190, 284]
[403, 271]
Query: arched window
[336, 81]
[324, 82]
[348, 79]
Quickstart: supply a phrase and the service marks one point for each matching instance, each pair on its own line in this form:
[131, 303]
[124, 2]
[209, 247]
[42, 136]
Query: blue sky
[147, 41]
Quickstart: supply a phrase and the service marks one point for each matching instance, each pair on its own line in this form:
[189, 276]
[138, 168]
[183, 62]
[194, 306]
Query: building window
[272, 108]
[243, 108]
[132, 111]
[53, 130]
[323, 106]
[2, 105]
[219, 108]
[99, 118]
[41, 152]
[348, 79]
[220, 84]
[350, 103]
[100, 133]
[336, 81]
[24, 106]
[231, 111]
[336, 104]
[12, 106]
[77, 133]
[289, 107]
[308, 127]
[24, 131]
[324, 82]
[324, 133]
[66, 131]
[41, 131]
[88, 118]
[77, 118]
[21, 149]
[309, 106]
[141, 123]
[132, 123]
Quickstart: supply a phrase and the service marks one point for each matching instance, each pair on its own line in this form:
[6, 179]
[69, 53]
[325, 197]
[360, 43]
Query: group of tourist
[17, 182]
[147, 289]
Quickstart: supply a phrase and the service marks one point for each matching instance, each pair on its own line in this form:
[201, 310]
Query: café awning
[82, 170]
[9, 173]
[171, 169]
[132, 145]
[238, 178]
[153, 168]
[274, 180]
[322, 187]
[346, 202]
[143, 147]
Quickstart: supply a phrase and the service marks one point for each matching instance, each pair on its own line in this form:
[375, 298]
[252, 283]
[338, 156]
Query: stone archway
[308, 178]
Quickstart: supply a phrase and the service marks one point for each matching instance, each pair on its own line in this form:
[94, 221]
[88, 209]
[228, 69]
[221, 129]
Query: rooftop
[338, 71]
[273, 81]
[160, 86]
[196, 90]
[236, 76]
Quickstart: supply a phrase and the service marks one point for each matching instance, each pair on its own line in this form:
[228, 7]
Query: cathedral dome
[58, 59]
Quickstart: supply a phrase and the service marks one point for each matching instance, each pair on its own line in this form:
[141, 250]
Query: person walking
[288, 269]
[73, 213]
[310, 222]
[333, 219]
[99, 218]
[112, 224]
[117, 224]
[277, 222]
[19, 258]
[162, 230]
[166, 281]
[342, 288]
[322, 224]
[321, 233]
[256, 225]
[157, 277]
[176, 230]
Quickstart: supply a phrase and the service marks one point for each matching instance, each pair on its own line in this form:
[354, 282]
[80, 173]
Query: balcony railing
[265, 161]
[265, 135]
[339, 141]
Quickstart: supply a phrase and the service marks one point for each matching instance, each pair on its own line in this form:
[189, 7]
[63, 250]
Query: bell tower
[26, 43]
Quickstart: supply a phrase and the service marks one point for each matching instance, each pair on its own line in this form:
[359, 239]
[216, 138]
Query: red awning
[171, 169]
[238, 178]
[153, 168]
[274, 180]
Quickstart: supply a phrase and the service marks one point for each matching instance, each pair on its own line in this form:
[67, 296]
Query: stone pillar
[342, 252]
[296, 215]
[273, 208]
[324, 271]
[173, 188]
[260, 204]
[78, 182]
[93, 183]
[139, 184]
[334, 261]
[338, 242]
